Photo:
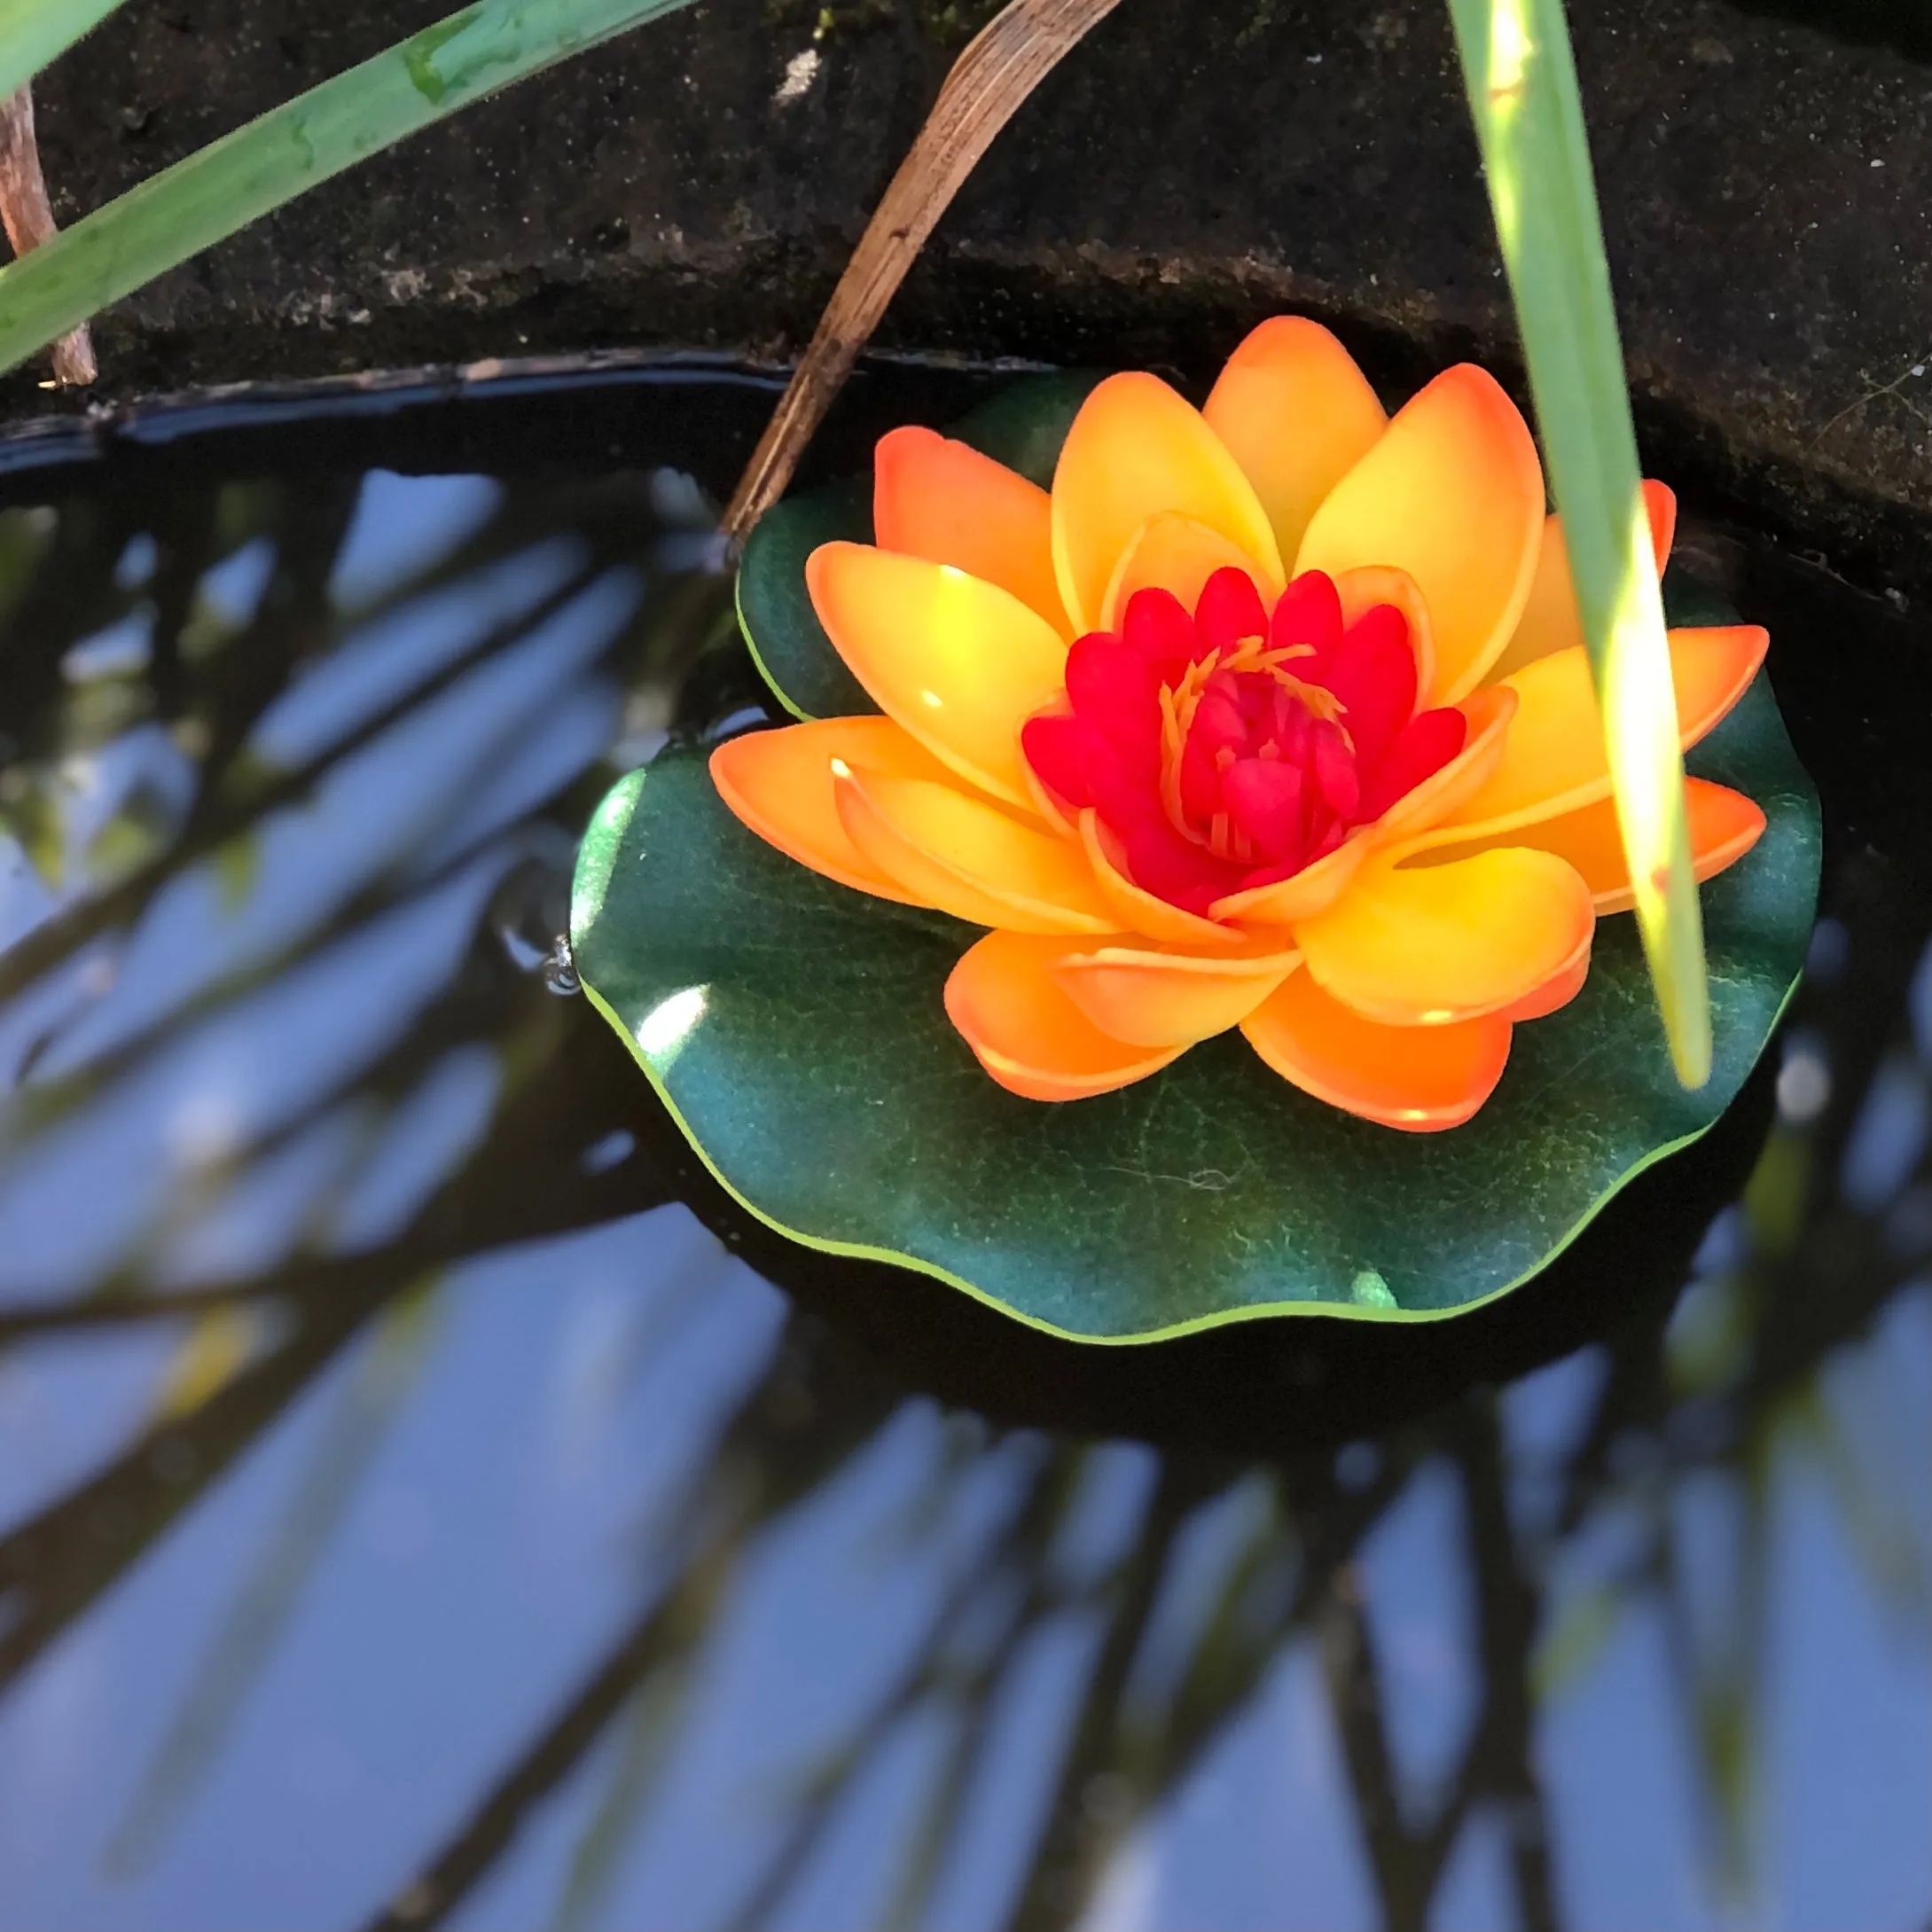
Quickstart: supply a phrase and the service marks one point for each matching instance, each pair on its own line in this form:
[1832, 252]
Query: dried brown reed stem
[30, 220]
[1007, 60]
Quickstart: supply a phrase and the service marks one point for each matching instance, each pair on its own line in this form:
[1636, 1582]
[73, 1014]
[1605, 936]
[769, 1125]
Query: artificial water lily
[1272, 714]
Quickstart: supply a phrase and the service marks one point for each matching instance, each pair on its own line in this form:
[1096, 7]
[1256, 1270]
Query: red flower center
[1234, 748]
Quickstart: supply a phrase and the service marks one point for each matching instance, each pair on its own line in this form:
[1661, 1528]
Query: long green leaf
[33, 32]
[229, 184]
[1523, 92]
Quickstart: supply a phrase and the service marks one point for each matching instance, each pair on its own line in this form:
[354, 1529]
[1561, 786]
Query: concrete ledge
[1198, 164]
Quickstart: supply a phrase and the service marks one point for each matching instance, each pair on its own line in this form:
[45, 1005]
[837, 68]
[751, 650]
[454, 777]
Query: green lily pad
[1023, 427]
[796, 1033]
[796, 1030]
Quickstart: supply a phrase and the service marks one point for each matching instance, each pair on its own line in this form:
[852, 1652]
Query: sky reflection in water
[480, 1538]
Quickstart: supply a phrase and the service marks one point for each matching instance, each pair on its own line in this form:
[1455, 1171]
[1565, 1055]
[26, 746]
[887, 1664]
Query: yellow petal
[1421, 1079]
[1724, 826]
[1550, 620]
[967, 856]
[1554, 759]
[779, 784]
[1135, 910]
[1452, 493]
[1423, 946]
[960, 663]
[1297, 415]
[940, 499]
[1303, 894]
[1174, 553]
[1136, 449]
[1027, 1031]
[1152, 997]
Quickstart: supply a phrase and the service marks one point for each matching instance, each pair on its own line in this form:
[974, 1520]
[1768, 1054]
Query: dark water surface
[410, 1511]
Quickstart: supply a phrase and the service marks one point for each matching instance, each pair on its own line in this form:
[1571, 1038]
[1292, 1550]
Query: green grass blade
[1528, 116]
[175, 214]
[33, 32]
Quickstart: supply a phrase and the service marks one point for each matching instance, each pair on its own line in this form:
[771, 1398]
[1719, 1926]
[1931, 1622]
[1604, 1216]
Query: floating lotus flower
[1274, 714]
[1259, 751]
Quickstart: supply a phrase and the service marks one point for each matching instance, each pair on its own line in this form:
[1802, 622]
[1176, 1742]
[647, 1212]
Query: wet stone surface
[1197, 164]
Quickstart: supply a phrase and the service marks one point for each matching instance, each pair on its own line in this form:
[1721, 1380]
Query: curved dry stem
[1004, 63]
[30, 221]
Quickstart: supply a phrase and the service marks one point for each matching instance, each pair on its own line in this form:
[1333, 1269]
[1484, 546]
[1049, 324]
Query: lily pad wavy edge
[1248, 1311]
[680, 815]
[841, 509]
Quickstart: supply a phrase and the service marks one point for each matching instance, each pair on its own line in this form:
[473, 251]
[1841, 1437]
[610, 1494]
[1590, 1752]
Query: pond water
[411, 1513]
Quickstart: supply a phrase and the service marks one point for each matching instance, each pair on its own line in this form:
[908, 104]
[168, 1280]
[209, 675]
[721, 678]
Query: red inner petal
[1220, 724]
[1309, 614]
[1199, 780]
[1229, 610]
[1160, 861]
[1374, 674]
[1236, 747]
[1157, 625]
[1334, 766]
[1114, 688]
[1057, 748]
[1422, 748]
[1263, 799]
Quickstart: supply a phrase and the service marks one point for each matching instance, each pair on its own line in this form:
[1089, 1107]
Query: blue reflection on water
[868, 1695]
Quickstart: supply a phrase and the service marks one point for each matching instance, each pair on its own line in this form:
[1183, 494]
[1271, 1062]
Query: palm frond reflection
[422, 1484]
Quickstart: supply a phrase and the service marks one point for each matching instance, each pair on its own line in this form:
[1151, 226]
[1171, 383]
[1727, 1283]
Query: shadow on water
[410, 1513]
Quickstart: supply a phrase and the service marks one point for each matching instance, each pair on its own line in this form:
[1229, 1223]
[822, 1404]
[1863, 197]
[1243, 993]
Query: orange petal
[1487, 715]
[960, 663]
[1426, 944]
[1452, 494]
[942, 500]
[1724, 826]
[1553, 760]
[1135, 910]
[1025, 1029]
[1361, 591]
[1660, 505]
[1297, 415]
[779, 784]
[1550, 620]
[1136, 448]
[1421, 1079]
[1149, 998]
[967, 856]
[1303, 894]
[1174, 553]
